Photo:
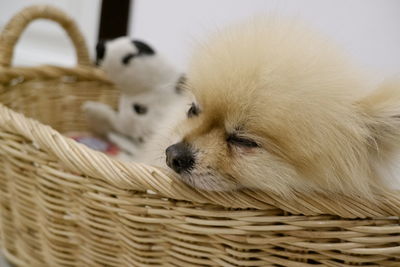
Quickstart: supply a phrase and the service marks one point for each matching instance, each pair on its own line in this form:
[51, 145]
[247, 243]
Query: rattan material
[62, 204]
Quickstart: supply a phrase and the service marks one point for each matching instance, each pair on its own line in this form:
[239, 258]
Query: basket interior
[57, 102]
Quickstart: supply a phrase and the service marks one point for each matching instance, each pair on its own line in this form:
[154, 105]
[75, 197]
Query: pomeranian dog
[278, 108]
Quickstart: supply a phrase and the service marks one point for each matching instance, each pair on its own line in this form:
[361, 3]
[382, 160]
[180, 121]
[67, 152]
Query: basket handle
[14, 28]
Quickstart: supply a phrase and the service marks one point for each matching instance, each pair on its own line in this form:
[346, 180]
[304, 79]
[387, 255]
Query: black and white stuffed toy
[133, 65]
[150, 91]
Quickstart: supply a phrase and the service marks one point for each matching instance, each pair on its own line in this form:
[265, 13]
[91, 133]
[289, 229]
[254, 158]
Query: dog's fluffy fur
[290, 91]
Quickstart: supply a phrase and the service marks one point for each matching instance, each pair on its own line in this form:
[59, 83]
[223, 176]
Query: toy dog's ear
[143, 48]
[100, 51]
[382, 117]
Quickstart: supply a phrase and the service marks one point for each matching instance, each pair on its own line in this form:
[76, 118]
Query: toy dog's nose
[180, 158]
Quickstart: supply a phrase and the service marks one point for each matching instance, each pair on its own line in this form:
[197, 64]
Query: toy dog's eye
[139, 109]
[127, 58]
[193, 111]
[233, 139]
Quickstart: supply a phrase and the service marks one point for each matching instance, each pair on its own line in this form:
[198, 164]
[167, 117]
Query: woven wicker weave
[62, 204]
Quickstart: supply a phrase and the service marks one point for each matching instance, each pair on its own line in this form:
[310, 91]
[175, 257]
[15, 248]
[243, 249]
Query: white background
[369, 30]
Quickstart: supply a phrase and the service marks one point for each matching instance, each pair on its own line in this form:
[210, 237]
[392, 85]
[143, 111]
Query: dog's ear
[381, 111]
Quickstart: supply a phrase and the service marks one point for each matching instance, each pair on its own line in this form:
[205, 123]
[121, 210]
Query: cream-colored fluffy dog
[278, 108]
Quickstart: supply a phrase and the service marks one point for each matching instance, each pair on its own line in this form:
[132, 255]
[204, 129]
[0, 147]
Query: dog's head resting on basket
[278, 108]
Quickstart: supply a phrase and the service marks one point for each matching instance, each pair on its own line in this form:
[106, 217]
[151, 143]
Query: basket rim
[129, 176]
[50, 72]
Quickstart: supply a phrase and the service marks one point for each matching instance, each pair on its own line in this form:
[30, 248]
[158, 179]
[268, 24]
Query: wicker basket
[62, 204]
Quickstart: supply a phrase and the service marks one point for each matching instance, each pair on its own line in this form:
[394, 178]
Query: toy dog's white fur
[141, 74]
[281, 86]
[146, 80]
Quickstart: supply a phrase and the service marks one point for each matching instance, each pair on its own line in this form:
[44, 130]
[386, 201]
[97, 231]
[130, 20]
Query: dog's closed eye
[236, 140]
[193, 111]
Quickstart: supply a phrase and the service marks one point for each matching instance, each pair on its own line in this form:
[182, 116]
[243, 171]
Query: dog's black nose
[180, 158]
